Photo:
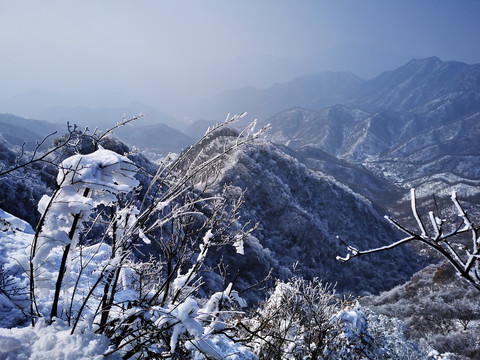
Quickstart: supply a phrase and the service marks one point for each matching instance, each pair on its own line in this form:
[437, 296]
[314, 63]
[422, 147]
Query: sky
[167, 53]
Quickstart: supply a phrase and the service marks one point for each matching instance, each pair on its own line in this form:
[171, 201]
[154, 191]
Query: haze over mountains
[415, 84]
[416, 125]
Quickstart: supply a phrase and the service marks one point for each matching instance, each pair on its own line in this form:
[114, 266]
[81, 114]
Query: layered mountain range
[416, 85]
[417, 126]
[341, 152]
[346, 151]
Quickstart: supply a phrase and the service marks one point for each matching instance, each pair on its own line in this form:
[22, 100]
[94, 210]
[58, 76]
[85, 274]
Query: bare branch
[466, 260]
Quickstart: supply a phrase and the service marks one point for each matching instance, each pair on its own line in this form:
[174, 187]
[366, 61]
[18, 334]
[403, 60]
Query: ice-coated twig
[466, 260]
[413, 203]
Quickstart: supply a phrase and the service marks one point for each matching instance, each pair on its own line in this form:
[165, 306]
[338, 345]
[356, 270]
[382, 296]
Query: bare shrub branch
[458, 243]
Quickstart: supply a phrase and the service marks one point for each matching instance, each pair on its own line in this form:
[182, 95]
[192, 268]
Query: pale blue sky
[166, 51]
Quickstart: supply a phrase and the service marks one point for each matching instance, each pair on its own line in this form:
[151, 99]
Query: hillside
[300, 212]
[439, 309]
[416, 126]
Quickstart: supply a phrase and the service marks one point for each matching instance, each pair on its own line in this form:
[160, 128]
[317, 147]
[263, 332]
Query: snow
[238, 244]
[413, 205]
[12, 223]
[197, 325]
[41, 341]
[52, 342]
[354, 323]
[85, 182]
[14, 258]
[102, 169]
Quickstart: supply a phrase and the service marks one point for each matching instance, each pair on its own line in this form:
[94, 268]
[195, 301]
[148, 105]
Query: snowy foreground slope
[17, 340]
[361, 332]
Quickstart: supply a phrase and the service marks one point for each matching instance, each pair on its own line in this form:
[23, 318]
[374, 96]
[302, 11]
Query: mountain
[158, 138]
[377, 189]
[298, 191]
[174, 282]
[300, 212]
[417, 83]
[17, 130]
[402, 148]
[197, 128]
[416, 126]
[324, 129]
[85, 109]
[314, 91]
[105, 117]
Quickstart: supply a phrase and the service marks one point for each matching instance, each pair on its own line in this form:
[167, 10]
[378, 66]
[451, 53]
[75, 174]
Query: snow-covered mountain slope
[356, 176]
[417, 83]
[17, 130]
[300, 212]
[405, 149]
[439, 308]
[326, 129]
[417, 126]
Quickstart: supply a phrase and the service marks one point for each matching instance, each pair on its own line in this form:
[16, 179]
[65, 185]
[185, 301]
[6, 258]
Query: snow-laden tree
[303, 319]
[86, 266]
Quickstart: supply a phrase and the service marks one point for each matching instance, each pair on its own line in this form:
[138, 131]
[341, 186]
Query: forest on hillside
[126, 258]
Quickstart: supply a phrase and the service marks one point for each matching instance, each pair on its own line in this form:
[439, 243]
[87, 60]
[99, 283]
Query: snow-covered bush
[83, 268]
[306, 320]
[296, 321]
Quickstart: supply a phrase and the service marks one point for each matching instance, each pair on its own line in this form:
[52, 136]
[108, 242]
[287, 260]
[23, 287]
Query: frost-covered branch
[353, 252]
[22, 160]
[461, 251]
[71, 138]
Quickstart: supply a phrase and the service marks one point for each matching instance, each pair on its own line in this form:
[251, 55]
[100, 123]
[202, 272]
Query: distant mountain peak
[429, 60]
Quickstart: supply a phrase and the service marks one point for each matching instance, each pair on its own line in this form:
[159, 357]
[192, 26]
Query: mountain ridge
[415, 82]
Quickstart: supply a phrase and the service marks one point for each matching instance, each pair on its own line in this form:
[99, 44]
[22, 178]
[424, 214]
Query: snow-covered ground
[18, 339]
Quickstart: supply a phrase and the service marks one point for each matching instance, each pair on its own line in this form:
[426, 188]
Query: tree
[458, 243]
[296, 321]
[303, 319]
[86, 264]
